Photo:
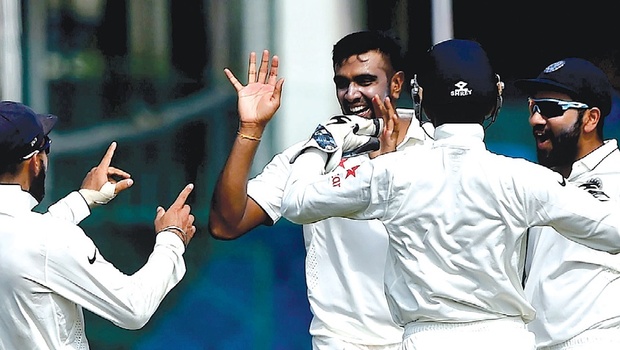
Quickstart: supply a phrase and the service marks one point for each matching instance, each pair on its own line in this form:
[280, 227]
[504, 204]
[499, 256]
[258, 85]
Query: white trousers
[504, 334]
[595, 339]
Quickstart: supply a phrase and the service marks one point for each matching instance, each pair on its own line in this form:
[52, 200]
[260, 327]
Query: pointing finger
[107, 158]
[180, 201]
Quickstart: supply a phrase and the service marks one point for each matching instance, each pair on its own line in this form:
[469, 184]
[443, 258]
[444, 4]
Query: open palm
[260, 98]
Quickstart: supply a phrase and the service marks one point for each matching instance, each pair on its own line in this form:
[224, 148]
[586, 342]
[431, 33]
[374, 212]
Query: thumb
[123, 185]
[160, 213]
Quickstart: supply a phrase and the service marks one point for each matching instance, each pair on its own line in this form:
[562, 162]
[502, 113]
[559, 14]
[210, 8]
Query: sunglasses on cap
[45, 147]
[550, 107]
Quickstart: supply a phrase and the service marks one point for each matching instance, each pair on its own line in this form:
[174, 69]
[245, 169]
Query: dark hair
[370, 40]
[8, 167]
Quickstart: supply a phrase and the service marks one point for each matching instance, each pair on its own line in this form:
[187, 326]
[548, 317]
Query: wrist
[252, 130]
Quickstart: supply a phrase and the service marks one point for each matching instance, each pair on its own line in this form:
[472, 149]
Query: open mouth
[542, 139]
[362, 111]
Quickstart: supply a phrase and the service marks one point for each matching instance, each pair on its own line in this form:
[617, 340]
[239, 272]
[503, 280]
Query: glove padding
[344, 136]
[103, 196]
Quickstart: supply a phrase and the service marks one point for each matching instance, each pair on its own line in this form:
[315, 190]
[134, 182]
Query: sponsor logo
[563, 182]
[351, 171]
[461, 89]
[92, 260]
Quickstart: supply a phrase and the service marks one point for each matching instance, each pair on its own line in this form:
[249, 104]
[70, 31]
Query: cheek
[376, 89]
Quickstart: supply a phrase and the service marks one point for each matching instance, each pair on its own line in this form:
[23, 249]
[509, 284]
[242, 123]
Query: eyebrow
[357, 77]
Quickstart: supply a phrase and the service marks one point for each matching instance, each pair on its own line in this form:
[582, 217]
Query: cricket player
[456, 214]
[573, 288]
[344, 272]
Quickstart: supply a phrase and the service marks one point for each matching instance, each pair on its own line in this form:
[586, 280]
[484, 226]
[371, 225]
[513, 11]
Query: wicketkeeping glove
[343, 136]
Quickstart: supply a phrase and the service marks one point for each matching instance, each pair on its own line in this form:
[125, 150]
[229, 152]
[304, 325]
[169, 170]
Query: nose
[536, 118]
[352, 92]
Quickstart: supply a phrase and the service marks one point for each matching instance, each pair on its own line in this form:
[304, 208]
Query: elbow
[292, 214]
[220, 231]
[135, 321]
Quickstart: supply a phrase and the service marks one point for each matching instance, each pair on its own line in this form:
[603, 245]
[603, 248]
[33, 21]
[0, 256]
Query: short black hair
[369, 40]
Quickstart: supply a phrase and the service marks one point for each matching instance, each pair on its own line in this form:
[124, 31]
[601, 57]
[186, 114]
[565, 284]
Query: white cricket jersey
[344, 258]
[456, 215]
[50, 270]
[572, 287]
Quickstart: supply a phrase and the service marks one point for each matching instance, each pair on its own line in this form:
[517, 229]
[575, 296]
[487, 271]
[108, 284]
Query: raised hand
[178, 217]
[103, 182]
[388, 139]
[260, 98]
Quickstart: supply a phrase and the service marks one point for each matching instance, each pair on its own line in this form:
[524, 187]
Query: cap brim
[534, 85]
[47, 122]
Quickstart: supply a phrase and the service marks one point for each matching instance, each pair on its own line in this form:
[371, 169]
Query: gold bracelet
[244, 136]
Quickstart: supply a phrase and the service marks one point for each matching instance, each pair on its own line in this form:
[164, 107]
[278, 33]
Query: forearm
[72, 208]
[310, 197]
[230, 201]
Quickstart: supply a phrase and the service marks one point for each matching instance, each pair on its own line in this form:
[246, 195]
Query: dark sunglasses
[45, 147]
[550, 107]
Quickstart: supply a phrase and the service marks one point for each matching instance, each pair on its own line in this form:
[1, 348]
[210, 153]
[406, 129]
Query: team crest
[554, 66]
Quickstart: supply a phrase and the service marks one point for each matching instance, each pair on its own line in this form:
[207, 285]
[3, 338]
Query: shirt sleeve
[573, 212]
[311, 196]
[76, 270]
[266, 188]
[72, 208]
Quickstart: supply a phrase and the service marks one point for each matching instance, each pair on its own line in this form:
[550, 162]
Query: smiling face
[360, 77]
[557, 136]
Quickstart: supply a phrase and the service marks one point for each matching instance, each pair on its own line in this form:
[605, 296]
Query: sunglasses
[550, 107]
[45, 147]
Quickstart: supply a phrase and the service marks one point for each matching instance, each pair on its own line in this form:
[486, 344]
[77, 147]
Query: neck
[403, 125]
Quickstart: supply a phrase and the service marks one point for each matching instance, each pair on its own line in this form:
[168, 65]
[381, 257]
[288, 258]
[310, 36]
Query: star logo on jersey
[351, 171]
[342, 160]
[92, 260]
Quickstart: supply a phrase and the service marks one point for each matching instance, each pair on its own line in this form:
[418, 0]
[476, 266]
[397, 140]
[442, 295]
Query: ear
[36, 164]
[591, 119]
[396, 84]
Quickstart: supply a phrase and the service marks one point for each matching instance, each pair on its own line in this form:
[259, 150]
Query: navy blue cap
[580, 79]
[22, 130]
[457, 72]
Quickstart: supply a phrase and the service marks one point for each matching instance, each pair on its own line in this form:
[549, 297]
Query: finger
[379, 109]
[277, 91]
[112, 171]
[180, 201]
[264, 67]
[233, 80]
[273, 74]
[122, 185]
[252, 68]
[160, 212]
[389, 106]
[107, 158]
[392, 114]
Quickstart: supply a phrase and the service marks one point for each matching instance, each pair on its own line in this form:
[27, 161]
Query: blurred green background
[148, 74]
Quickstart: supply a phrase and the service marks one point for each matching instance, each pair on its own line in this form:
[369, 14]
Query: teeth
[357, 109]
